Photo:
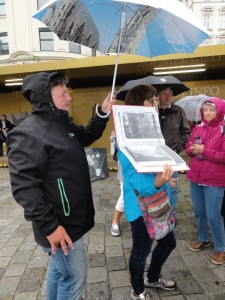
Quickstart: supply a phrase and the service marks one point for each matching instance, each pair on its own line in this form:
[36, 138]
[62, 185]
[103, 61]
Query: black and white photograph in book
[138, 125]
[139, 137]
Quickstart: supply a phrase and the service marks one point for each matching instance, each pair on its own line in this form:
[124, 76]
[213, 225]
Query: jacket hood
[36, 89]
[220, 107]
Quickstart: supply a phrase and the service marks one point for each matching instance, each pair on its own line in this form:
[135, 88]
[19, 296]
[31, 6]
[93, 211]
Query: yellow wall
[81, 109]
[85, 99]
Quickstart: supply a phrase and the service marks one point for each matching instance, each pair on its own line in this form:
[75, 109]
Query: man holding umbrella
[175, 127]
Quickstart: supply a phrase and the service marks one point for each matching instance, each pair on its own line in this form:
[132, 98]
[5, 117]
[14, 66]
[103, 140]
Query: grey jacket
[175, 127]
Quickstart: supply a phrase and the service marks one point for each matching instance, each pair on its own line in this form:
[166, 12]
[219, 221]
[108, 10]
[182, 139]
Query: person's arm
[27, 160]
[9, 126]
[94, 130]
[215, 154]
[145, 183]
[190, 142]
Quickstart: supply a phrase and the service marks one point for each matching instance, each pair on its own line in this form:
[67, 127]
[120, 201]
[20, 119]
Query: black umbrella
[159, 83]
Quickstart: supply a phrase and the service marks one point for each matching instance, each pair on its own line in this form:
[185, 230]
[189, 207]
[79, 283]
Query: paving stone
[113, 251]
[98, 228]
[8, 251]
[15, 269]
[22, 256]
[8, 286]
[119, 279]
[127, 243]
[26, 296]
[219, 296]
[10, 228]
[4, 237]
[38, 262]
[2, 271]
[116, 263]
[113, 241]
[27, 246]
[21, 232]
[121, 293]
[198, 297]
[189, 285]
[220, 272]
[174, 297]
[96, 260]
[4, 261]
[31, 280]
[208, 280]
[96, 248]
[97, 291]
[97, 239]
[15, 241]
[97, 274]
[193, 260]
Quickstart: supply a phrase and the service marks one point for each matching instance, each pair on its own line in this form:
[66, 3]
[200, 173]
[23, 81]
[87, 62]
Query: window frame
[43, 40]
[5, 52]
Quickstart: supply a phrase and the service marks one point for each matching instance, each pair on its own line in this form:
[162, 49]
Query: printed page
[139, 137]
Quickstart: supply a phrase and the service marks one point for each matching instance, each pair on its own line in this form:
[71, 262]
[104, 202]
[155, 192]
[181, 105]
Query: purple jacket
[211, 170]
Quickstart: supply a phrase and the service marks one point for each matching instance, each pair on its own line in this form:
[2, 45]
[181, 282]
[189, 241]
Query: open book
[139, 137]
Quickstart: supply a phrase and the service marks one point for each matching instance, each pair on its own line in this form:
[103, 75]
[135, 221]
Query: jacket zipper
[64, 199]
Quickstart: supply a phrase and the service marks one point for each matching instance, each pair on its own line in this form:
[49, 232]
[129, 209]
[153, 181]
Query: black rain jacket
[48, 166]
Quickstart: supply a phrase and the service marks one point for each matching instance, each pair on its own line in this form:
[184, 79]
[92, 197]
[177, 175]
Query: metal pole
[122, 21]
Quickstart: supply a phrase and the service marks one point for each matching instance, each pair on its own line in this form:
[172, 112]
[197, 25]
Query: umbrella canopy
[143, 27]
[158, 82]
[192, 106]
[150, 27]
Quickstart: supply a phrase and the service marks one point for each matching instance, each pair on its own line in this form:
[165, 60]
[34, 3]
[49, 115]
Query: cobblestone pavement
[23, 267]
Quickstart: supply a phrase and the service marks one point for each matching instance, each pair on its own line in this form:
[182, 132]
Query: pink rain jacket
[211, 170]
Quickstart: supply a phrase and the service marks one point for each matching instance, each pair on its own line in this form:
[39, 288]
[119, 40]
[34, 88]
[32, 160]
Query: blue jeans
[140, 250]
[67, 274]
[207, 202]
[174, 195]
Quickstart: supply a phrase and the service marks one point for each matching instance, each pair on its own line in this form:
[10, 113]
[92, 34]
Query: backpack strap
[136, 192]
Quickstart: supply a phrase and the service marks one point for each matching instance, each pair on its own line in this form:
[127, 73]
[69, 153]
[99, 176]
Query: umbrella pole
[122, 21]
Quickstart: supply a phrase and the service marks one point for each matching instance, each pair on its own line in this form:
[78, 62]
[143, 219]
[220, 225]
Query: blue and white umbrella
[143, 27]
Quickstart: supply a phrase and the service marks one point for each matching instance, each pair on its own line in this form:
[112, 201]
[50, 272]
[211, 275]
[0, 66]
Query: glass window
[2, 7]
[40, 3]
[222, 21]
[207, 21]
[4, 45]
[74, 48]
[221, 39]
[46, 40]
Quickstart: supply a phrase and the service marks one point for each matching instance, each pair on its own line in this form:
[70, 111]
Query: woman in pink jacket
[206, 147]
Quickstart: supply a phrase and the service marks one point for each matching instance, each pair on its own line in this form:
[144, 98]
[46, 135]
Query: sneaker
[142, 296]
[115, 230]
[218, 258]
[198, 246]
[162, 283]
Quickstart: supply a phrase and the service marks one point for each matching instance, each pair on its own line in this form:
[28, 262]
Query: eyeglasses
[152, 100]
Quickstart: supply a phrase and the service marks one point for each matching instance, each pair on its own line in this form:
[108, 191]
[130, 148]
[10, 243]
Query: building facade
[24, 39]
[212, 15]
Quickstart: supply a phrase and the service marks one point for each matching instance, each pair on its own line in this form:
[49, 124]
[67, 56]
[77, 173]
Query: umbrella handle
[122, 21]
